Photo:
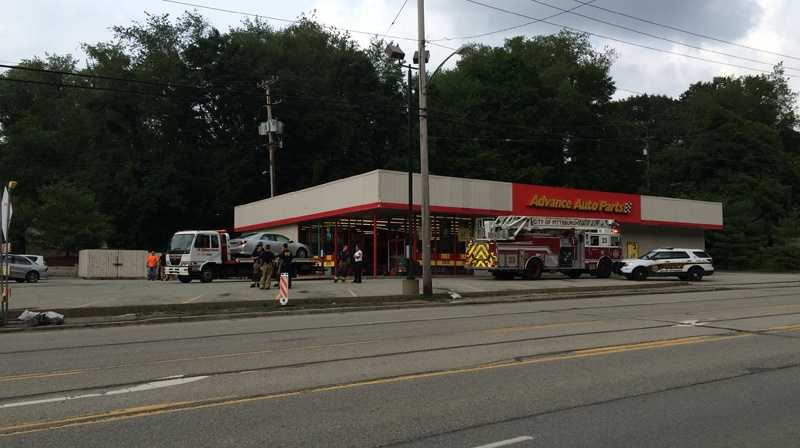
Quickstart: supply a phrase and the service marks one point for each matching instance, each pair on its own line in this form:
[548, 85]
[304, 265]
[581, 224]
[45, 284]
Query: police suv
[686, 264]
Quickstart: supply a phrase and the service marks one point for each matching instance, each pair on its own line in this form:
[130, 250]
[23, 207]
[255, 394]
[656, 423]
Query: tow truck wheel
[603, 269]
[184, 278]
[533, 270]
[301, 253]
[639, 274]
[207, 275]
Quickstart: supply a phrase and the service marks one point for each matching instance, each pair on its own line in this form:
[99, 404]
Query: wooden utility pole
[427, 278]
[270, 134]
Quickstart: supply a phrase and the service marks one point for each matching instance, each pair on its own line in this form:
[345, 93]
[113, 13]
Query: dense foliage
[135, 161]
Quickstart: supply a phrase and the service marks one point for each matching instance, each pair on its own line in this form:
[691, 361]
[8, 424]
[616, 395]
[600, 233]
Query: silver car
[246, 244]
[22, 269]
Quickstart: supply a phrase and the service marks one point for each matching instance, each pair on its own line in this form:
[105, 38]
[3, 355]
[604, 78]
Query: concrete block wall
[112, 264]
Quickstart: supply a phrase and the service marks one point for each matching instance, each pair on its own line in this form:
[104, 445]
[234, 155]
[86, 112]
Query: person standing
[342, 264]
[286, 266]
[257, 264]
[358, 264]
[267, 266]
[152, 266]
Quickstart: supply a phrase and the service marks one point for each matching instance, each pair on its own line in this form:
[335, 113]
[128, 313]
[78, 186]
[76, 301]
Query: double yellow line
[143, 411]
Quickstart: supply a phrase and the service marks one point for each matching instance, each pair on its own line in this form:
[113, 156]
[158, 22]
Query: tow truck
[206, 255]
[527, 246]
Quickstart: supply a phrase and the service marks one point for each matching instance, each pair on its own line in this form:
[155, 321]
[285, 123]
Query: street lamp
[393, 51]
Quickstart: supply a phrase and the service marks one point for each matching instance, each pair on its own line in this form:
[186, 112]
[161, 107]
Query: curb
[269, 305]
[385, 302]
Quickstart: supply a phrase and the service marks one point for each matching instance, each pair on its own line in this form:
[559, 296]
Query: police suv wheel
[695, 274]
[639, 274]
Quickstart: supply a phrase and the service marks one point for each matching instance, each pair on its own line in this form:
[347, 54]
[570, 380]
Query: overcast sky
[36, 27]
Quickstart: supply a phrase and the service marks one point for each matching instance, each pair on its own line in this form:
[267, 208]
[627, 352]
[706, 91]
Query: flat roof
[386, 192]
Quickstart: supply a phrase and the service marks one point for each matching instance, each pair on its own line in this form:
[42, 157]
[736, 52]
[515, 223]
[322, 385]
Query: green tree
[68, 218]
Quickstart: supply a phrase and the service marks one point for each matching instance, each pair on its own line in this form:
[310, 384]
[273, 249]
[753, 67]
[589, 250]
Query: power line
[397, 15]
[685, 31]
[503, 30]
[614, 39]
[655, 36]
[232, 11]
[87, 87]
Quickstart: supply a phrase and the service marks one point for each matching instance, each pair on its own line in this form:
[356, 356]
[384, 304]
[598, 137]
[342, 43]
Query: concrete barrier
[112, 264]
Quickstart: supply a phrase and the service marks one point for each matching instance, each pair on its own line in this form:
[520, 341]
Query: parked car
[686, 264]
[246, 244]
[22, 269]
[38, 259]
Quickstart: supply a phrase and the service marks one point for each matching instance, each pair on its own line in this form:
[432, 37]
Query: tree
[68, 218]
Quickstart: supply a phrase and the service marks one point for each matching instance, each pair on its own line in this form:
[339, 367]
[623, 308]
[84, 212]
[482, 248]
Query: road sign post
[6, 210]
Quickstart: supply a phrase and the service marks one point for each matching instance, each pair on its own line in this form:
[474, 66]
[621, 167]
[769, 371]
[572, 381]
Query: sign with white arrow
[6, 210]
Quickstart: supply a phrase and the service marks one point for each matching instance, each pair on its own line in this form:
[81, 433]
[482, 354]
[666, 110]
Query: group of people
[344, 260]
[265, 264]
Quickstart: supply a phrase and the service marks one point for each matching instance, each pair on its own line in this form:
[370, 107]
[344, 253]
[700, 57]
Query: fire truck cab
[527, 246]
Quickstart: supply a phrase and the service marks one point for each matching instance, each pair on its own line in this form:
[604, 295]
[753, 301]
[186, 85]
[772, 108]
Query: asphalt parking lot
[60, 292]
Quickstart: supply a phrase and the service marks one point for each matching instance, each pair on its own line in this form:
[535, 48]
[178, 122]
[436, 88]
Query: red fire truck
[526, 246]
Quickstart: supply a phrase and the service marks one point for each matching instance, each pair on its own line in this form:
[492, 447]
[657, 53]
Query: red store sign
[567, 202]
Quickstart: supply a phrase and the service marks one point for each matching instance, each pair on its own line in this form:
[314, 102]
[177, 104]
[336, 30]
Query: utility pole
[412, 239]
[427, 278]
[270, 138]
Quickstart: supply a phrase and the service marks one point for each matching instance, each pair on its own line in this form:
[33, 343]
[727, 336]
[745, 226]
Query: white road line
[508, 442]
[127, 390]
[194, 298]
[351, 292]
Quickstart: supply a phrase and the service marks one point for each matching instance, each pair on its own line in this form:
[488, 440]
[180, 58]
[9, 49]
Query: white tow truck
[204, 255]
[526, 246]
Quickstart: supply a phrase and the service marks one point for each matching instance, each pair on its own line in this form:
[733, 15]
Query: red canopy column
[374, 246]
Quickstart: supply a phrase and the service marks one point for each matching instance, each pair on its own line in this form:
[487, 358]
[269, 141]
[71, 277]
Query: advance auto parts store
[371, 210]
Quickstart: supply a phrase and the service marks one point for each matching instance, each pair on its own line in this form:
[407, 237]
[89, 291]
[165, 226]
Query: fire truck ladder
[508, 227]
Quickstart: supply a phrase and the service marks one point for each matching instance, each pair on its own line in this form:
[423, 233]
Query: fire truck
[527, 246]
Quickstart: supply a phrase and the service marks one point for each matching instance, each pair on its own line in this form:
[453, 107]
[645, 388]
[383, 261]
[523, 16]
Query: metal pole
[5, 266]
[271, 146]
[410, 242]
[427, 279]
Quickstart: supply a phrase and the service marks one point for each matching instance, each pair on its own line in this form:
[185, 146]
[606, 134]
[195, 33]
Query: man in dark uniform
[286, 264]
[257, 264]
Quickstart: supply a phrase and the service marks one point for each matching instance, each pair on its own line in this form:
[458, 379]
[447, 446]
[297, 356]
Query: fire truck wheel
[695, 274]
[603, 269]
[207, 275]
[184, 278]
[639, 274]
[533, 270]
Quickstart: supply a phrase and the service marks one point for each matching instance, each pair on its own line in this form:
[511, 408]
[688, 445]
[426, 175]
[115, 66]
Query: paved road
[697, 369]
[76, 293]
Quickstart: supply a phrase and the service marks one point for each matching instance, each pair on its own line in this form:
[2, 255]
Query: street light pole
[411, 238]
[427, 278]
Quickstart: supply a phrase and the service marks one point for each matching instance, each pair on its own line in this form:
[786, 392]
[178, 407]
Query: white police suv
[686, 264]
